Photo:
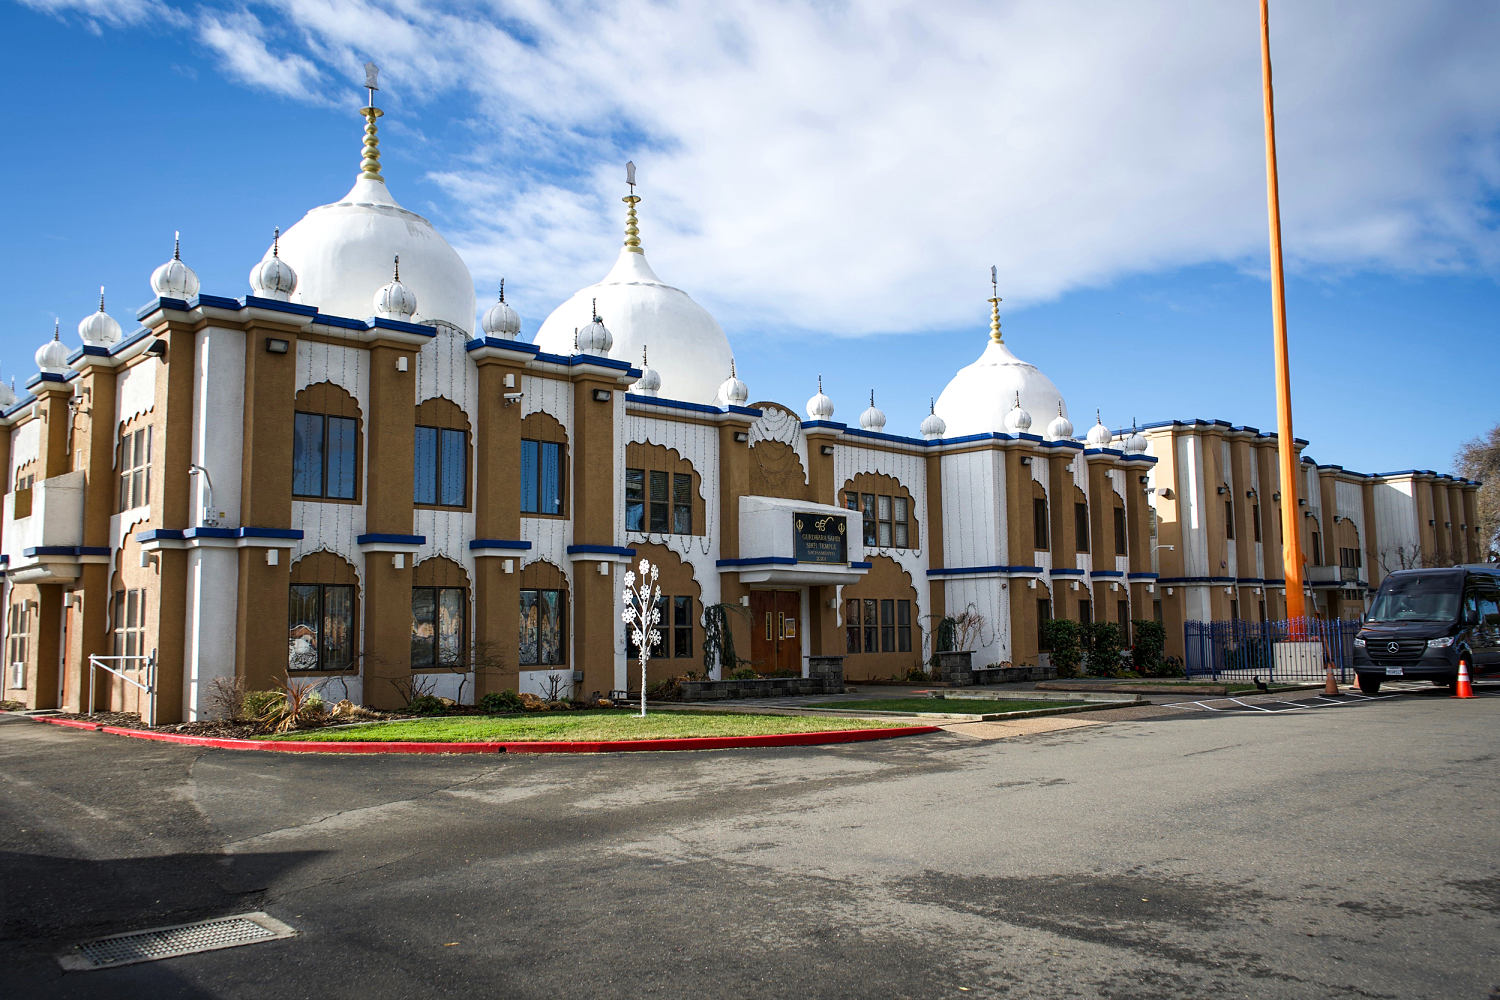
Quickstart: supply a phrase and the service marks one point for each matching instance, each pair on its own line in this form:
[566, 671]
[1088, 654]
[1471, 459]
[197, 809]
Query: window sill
[457, 668]
[550, 517]
[345, 672]
[307, 499]
[441, 507]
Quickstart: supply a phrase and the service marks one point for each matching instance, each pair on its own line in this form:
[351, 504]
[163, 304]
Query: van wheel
[1369, 684]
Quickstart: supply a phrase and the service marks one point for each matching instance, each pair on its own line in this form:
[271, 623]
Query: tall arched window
[440, 460]
[439, 615]
[544, 466]
[662, 492]
[888, 514]
[544, 616]
[327, 445]
[323, 619]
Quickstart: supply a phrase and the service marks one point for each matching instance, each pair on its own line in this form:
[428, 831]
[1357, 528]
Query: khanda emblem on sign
[799, 524]
[822, 523]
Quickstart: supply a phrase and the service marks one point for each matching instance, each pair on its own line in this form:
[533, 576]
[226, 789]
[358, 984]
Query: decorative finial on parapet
[369, 164]
[632, 226]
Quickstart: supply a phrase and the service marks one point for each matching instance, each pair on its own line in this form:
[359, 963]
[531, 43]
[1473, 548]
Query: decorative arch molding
[329, 398]
[675, 578]
[778, 452]
[879, 484]
[439, 571]
[324, 566]
[540, 426]
[440, 411]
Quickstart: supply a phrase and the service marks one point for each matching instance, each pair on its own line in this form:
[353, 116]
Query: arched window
[887, 511]
[134, 464]
[327, 448]
[440, 464]
[544, 464]
[322, 626]
[1039, 517]
[881, 633]
[681, 609]
[544, 616]
[663, 494]
[439, 615]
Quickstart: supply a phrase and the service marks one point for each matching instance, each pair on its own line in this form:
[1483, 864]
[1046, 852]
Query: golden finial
[369, 164]
[995, 337]
[632, 229]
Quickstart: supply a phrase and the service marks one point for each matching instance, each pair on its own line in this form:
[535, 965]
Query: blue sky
[833, 182]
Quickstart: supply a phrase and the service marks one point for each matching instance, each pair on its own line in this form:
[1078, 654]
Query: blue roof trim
[587, 359]
[203, 531]
[1107, 572]
[502, 343]
[883, 436]
[860, 565]
[66, 550]
[976, 570]
[342, 322]
[161, 303]
[41, 377]
[599, 550]
[480, 544]
[749, 411]
[759, 561]
[1066, 572]
[384, 539]
[400, 326]
[276, 305]
[673, 404]
[1197, 579]
[830, 424]
[1144, 576]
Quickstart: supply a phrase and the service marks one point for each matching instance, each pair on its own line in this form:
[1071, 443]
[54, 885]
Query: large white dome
[978, 398]
[688, 348]
[342, 254]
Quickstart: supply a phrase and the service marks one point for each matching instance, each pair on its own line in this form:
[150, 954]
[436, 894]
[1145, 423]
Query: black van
[1423, 621]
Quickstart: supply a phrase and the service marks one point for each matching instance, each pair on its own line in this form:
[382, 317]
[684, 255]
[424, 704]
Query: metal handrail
[97, 663]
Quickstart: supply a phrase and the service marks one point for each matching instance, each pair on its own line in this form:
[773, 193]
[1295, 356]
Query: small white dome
[595, 338]
[820, 407]
[732, 392]
[7, 394]
[174, 279]
[649, 384]
[872, 419]
[52, 357]
[1099, 435]
[394, 300]
[1135, 444]
[99, 329]
[273, 278]
[933, 426]
[500, 320]
[1018, 421]
[1061, 428]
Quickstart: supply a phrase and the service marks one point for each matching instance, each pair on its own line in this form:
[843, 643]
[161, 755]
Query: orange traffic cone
[1464, 689]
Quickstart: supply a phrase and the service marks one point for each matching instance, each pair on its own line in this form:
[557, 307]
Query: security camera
[512, 397]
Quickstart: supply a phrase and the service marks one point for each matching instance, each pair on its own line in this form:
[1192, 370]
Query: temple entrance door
[775, 639]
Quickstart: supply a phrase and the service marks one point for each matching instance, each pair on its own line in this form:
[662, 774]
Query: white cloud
[240, 38]
[114, 13]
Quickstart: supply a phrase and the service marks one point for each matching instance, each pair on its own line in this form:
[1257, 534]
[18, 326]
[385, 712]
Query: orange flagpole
[1286, 449]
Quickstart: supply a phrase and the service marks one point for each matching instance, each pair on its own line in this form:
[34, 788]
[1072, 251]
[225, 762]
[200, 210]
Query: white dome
[1018, 421]
[933, 425]
[732, 392]
[393, 300]
[820, 407]
[649, 384]
[99, 329]
[500, 320]
[691, 348]
[1135, 443]
[342, 255]
[1099, 435]
[52, 357]
[1061, 428]
[980, 396]
[594, 337]
[872, 419]
[273, 278]
[174, 279]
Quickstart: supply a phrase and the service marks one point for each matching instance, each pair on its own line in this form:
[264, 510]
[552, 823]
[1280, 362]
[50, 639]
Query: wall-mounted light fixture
[1250, 494]
[70, 599]
[1166, 494]
[1447, 524]
[157, 348]
[1302, 501]
[1222, 490]
[1031, 584]
[510, 380]
[401, 363]
[1307, 513]
[1143, 480]
[1430, 522]
[741, 437]
[827, 449]
[1025, 459]
[601, 395]
[508, 566]
[398, 560]
[273, 556]
[1275, 497]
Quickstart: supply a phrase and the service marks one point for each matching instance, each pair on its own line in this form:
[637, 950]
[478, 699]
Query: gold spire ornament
[632, 229]
[369, 164]
[995, 336]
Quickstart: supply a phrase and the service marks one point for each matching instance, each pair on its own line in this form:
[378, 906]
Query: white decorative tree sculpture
[642, 615]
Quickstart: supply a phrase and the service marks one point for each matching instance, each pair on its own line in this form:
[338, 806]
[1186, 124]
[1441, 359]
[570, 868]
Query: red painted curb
[516, 746]
[70, 723]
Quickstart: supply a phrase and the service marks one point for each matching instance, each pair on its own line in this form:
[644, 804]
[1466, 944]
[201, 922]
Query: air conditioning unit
[18, 674]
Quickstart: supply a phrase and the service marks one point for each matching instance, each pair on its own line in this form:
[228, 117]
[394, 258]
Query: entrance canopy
[798, 544]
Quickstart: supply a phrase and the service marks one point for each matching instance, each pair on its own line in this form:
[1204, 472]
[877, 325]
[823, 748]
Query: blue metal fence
[1245, 649]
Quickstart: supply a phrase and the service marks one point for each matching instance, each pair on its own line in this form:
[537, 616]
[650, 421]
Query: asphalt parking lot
[1339, 852]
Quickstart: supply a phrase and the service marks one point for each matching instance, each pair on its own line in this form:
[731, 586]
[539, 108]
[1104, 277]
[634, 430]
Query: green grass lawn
[616, 724]
[950, 706]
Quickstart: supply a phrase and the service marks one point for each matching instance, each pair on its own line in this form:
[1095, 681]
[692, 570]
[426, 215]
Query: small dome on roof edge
[174, 279]
[98, 329]
[52, 357]
[820, 407]
[933, 426]
[1099, 435]
[1061, 428]
[394, 300]
[273, 278]
[1018, 421]
[873, 419]
[649, 384]
[732, 392]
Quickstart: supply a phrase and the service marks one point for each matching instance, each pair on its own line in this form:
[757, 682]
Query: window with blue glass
[325, 456]
[441, 467]
[542, 477]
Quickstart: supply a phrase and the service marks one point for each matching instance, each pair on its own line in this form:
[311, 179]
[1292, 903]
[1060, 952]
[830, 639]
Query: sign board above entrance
[820, 538]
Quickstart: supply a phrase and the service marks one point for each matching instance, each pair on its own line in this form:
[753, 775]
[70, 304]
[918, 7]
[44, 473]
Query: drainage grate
[169, 942]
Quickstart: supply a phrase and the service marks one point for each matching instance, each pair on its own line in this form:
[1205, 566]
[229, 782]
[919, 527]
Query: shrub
[226, 698]
[1101, 647]
[426, 704]
[256, 704]
[1150, 643]
[293, 705]
[916, 675]
[500, 702]
[1062, 638]
[743, 674]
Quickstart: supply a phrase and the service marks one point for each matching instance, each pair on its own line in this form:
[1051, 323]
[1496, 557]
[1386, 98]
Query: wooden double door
[776, 640]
